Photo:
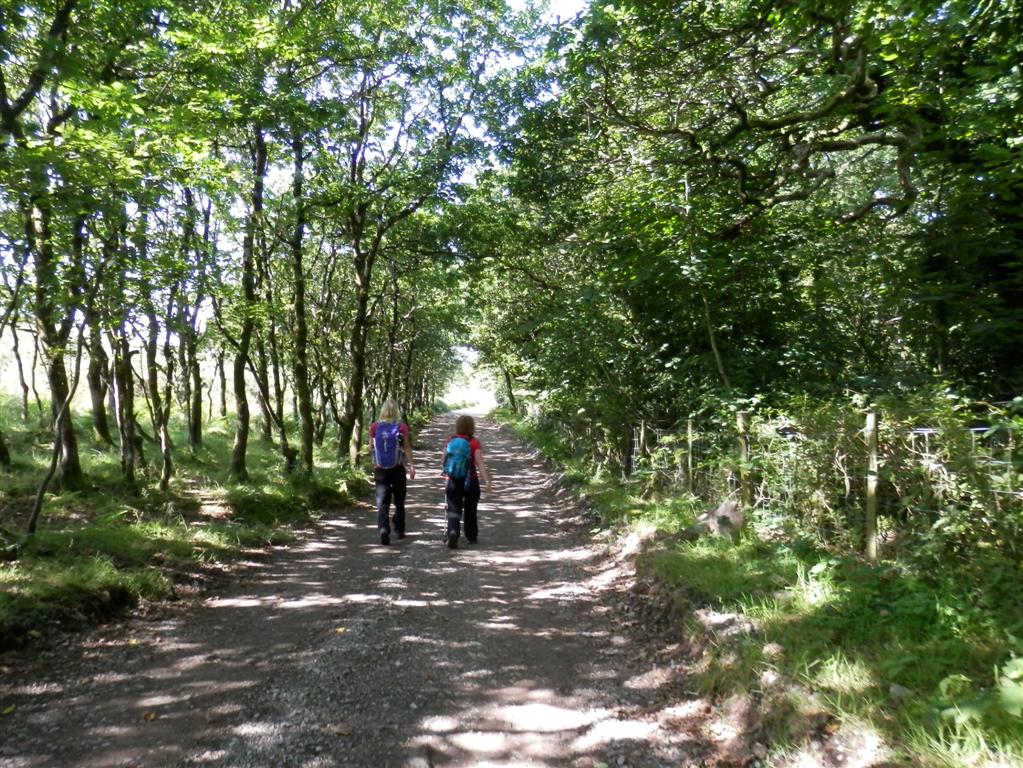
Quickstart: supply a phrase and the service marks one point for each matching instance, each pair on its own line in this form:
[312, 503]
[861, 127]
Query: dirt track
[341, 652]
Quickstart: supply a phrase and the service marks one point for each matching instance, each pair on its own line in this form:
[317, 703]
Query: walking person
[463, 467]
[391, 443]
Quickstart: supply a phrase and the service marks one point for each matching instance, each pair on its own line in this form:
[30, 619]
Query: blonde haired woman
[391, 444]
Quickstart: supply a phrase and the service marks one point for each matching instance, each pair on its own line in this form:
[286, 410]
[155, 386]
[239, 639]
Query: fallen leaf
[340, 630]
[8, 710]
[338, 730]
[149, 716]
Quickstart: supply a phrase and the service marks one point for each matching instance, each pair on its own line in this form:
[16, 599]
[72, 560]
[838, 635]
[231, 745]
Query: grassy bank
[99, 551]
[925, 666]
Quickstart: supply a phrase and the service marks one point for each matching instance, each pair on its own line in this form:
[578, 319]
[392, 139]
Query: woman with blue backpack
[392, 451]
[463, 466]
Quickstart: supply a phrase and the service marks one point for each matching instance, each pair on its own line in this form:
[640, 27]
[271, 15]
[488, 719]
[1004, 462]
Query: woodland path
[338, 651]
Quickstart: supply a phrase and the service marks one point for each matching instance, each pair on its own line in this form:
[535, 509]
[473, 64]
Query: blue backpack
[458, 458]
[387, 445]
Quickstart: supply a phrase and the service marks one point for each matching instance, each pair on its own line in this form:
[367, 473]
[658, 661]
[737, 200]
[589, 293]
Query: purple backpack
[387, 445]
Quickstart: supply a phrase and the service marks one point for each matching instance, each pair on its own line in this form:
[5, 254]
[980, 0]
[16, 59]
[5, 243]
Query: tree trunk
[54, 324]
[241, 436]
[511, 391]
[167, 464]
[97, 381]
[262, 374]
[195, 408]
[5, 453]
[36, 354]
[183, 391]
[191, 341]
[21, 366]
[160, 402]
[408, 395]
[124, 389]
[222, 374]
[392, 333]
[300, 364]
[348, 437]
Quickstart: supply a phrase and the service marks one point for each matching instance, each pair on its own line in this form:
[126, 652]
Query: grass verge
[100, 551]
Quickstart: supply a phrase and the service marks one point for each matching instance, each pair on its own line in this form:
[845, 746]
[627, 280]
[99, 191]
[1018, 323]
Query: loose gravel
[338, 651]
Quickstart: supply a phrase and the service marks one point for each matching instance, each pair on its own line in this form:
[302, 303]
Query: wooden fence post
[745, 489]
[870, 514]
[690, 439]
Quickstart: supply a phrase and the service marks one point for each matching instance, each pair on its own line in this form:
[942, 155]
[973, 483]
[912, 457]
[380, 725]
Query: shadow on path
[343, 652]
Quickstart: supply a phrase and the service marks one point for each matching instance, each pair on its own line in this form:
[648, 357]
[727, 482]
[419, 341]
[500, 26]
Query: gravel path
[341, 652]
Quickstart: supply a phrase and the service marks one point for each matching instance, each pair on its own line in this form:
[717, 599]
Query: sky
[566, 9]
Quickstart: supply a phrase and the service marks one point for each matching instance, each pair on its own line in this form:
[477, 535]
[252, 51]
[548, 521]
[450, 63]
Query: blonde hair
[465, 425]
[389, 412]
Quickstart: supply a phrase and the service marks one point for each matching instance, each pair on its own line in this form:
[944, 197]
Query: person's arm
[410, 460]
[481, 465]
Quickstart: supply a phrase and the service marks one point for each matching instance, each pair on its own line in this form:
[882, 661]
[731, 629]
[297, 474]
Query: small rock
[773, 651]
[898, 693]
[759, 751]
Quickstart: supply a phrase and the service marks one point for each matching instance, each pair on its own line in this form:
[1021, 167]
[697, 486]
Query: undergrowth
[928, 659]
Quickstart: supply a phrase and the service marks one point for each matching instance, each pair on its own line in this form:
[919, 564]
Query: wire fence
[827, 473]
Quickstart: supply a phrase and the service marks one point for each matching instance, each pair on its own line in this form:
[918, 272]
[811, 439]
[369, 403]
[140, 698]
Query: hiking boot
[452, 541]
[385, 537]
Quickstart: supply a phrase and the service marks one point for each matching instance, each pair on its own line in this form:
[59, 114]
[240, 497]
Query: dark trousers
[390, 486]
[462, 502]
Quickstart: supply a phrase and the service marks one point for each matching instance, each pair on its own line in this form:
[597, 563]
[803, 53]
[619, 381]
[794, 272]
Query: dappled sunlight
[611, 730]
[843, 675]
[543, 718]
[254, 729]
[559, 592]
[309, 601]
[486, 654]
[650, 679]
[38, 689]
[156, 701]
[361, 598]
[541, 724]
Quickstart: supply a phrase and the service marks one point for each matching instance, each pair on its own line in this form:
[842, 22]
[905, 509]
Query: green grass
[896, 651]
[925, 657]
[100, 550]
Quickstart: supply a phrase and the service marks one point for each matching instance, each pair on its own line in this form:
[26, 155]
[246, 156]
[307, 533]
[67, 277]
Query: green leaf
[966, 712]
[1010, 696]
